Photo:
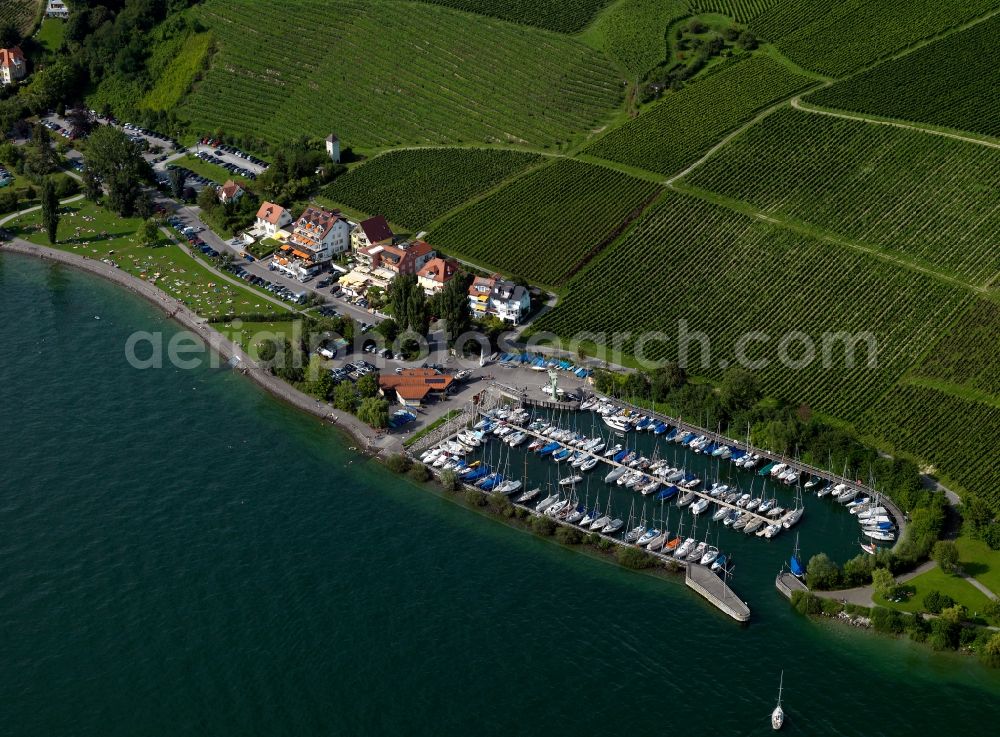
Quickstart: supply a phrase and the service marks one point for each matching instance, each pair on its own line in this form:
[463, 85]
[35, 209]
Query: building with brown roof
[230, 192]
[371, 232]
[412, 386]
[320, 234]
[271, 218]
[13, 67]
[436, 273]
[494, 295]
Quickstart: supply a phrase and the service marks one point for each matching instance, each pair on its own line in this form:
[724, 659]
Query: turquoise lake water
[182, 555]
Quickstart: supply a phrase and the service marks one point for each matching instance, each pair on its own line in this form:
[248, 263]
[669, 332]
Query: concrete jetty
[713, 588]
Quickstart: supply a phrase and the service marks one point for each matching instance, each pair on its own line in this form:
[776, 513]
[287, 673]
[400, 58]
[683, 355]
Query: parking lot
[230, 158]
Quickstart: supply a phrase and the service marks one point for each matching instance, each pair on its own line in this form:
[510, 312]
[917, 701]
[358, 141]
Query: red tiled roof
[9, 56]
[315, 222]
[230, 188]
[439, 269]
[270, 213]
[419, 248]
[415, 383]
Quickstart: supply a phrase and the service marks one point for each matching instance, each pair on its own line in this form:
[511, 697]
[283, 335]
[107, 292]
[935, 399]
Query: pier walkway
[713, 588]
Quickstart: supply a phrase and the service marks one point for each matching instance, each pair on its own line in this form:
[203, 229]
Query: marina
[643, 480]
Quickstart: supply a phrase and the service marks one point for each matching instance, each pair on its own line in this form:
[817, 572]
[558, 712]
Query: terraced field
[957, 436]
[923, 196]
[634, 32]
[415, 187]
[386, 73]
[952, 82]
[565, 16]
[967, 355]
[21, 13]
[726, 274]
[855, 33]
[784, 17]
[545, 225]
[677, 131]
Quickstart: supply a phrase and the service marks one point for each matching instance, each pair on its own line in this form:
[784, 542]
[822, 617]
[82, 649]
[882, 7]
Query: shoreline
[368, 441]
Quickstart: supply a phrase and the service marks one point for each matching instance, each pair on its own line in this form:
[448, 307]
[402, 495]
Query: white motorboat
[556, 508]
[613, 526]
[793, 517]
[720, 513]
[589, 463]
[709, 556]
[647, 537]
[753, 525]
[772, 531]
[616, 474]
[697, 552]
[600, 523]
[510, 486]
[700, 506]
[570, 480]
[684, 548]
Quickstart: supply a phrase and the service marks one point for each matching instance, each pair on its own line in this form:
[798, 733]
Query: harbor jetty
[786, 583]
[715, 589]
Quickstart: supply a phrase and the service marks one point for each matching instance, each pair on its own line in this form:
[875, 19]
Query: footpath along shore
[368, 439]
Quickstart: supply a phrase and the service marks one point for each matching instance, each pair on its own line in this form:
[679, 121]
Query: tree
[376, 297]
[149, 233]
[388, 329]
[50, 210]
[453, 306]
[9, 35]
[945, 554]
[91, 186]
[375, 412]
[345, 397]
[991, 651]
[822, 573]
[119, 164]
[747, 41]
[883, 582]
[408, 304]
[739, 390]
[449, 480]
[367, 386]
[178, 180]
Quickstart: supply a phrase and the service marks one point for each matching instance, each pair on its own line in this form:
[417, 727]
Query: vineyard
[727, 274]
[967, 355]
[543, 226]
[415, 187]
[854, 33]
[928, 197]
[22, 14]
[564, 16]
[952, 82]
[959, 437]
[675, 132]
[384, 74]
[784, 17]
[740, 10]
[635, 32]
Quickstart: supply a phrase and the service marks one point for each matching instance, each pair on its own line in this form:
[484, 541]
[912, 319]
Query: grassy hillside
[178, 74]
[415, 187]
[565, 16]
[686, 124]
[952, 82]
[726, 274]
[854, 33]
[387, 73]
[543, 226]
[22, 14]
[634, 32]
[927, 197]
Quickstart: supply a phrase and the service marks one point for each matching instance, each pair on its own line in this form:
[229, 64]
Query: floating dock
[713, 588]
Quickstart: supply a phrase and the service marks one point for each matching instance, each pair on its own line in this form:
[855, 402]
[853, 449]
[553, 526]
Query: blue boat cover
[796, 566]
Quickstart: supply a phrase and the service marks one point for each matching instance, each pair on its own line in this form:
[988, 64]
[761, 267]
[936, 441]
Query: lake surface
[181, 554]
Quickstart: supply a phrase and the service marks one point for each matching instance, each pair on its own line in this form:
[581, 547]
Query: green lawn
[50, 34]
[250, 334]
[212, 171]
[937, 580]
[980, 562]
[94, 232]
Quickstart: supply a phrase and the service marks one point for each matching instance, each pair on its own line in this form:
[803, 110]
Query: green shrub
[569, 535]
[822, 573]
[604, 544]
[449, 480]
[500, 504]
[542, 525]
[807, 603]
[634, 558]
[935, 601]
[475, 498]
[887, 621]
[419, 473]
[398, 463]
[832, 607]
